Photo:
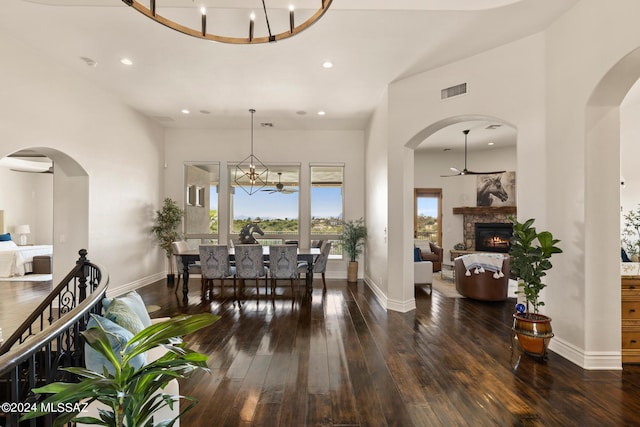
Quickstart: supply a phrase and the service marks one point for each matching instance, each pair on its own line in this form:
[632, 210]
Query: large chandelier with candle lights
[233, 21]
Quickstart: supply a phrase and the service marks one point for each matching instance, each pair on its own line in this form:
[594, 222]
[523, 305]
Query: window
[327, 205]
[428, 215]
[275, 207]
[201, 210]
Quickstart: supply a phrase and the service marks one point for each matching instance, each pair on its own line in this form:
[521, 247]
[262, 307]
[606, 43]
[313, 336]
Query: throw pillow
[416, 255]
[118, 338]
[5, 237]
[134, 301]
[121, 313]
[424, 246]
[7, 244]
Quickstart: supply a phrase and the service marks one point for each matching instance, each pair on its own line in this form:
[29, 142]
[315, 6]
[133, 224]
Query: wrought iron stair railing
[49, 339]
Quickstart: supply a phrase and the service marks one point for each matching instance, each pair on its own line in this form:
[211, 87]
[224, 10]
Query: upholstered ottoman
[41, 264]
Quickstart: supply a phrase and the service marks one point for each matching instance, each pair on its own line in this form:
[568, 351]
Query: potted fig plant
[352, 239]
[530, 254]
[165, 229]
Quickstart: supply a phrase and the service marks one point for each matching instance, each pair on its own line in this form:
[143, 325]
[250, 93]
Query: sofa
[123, 317]
[479, 285]
[429, 251]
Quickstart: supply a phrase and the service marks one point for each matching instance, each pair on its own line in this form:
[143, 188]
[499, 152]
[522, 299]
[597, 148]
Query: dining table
[307, 255]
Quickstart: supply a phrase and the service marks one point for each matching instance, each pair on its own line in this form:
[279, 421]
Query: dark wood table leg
[185, 282]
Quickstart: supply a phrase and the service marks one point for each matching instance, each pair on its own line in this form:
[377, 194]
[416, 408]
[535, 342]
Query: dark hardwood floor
[338, 359]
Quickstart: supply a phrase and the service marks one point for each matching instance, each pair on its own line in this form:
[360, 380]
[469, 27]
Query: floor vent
[452, 91]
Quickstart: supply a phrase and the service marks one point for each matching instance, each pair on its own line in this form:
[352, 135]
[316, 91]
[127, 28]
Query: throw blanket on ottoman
[482, 262]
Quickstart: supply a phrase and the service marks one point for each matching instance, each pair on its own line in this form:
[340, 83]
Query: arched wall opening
[602, 202]
[70, 207]
[432, 163]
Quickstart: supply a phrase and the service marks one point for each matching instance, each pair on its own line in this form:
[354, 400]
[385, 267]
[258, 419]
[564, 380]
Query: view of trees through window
[275, 207]
[326, 200]
[428, 215]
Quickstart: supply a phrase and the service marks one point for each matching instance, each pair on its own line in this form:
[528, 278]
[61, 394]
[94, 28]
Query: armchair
[429, 251]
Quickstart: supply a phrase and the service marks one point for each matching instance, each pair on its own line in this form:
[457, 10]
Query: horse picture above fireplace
[496, 189]
[493, 236]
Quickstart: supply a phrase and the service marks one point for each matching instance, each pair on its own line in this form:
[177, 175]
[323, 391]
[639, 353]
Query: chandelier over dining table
[234, 21]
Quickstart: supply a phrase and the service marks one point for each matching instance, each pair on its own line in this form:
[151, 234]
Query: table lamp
[23, 230]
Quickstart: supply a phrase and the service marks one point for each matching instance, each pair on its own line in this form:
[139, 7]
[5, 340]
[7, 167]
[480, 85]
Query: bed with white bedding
[18, 260]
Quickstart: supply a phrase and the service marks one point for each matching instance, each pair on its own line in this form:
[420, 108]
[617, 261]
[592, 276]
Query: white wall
[45, 105]
[457, 191]
[507, 84]
[377, 202]
[27, 198]
[630, 153]
[585, 88]
[561, 90]
[271, 146]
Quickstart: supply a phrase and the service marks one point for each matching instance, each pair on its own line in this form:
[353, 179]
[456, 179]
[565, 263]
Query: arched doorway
[69, 208]
[602, 199]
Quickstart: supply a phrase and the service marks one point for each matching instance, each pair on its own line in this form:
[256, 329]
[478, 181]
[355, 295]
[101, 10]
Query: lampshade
[23, 229]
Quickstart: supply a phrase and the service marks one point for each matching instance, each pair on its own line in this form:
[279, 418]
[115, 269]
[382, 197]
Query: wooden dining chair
[215, 266]
[283, 265]
[250, 265]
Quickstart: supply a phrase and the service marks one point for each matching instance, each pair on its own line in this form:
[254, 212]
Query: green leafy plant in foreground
[132, 395]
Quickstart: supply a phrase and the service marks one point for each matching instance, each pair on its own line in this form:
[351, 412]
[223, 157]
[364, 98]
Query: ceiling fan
[465, 171]
[279, 188]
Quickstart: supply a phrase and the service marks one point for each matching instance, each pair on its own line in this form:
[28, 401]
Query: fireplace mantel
[485, 210]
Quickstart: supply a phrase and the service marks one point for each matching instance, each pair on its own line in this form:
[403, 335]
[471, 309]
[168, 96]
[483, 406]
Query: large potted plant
[354, 233]
[132, 395]
[530, 253]
[165, 229]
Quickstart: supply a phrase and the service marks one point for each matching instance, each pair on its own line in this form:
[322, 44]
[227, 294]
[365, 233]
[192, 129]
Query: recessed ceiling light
[185, 111]
[321, 113]
[205, 111]
[126, 61]
[266, 124]
[490, 143]
[301, 113]
[327, 64]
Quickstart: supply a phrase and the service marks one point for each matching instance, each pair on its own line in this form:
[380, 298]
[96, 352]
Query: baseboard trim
[114, 291]
[380, 296]
[590, 360]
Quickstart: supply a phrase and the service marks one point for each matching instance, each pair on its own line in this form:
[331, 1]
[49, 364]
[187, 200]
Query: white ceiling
[371, 42]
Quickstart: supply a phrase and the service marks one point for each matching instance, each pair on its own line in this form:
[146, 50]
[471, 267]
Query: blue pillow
[118, 337]
[134, 301]
[5, 237]
[122, 314]
[417, 257]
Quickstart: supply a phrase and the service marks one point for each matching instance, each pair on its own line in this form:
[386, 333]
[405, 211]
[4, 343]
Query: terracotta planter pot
[534, 332]
[352, 271]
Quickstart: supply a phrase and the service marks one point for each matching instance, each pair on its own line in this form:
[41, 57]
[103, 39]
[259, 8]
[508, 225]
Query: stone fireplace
[493, 236]
[482, 215]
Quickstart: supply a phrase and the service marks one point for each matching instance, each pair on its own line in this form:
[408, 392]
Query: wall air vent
[452, 91]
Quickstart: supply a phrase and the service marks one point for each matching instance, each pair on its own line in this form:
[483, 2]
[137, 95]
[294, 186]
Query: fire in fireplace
[493, 236]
